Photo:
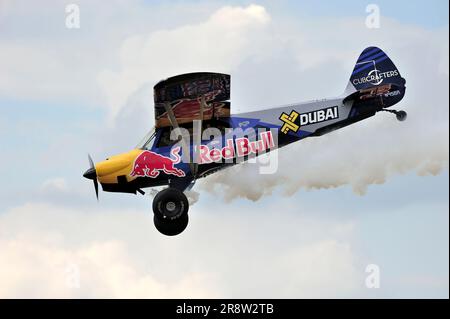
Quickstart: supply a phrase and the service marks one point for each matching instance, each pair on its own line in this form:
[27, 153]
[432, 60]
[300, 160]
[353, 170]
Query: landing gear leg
[170, 208]
[400, 115]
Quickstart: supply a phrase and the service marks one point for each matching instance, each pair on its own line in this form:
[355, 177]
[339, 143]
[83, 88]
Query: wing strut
[198, 138]
[174, 123]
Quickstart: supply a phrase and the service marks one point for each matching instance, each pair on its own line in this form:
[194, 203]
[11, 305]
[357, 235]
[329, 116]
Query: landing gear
[170, 208]
[400, 115]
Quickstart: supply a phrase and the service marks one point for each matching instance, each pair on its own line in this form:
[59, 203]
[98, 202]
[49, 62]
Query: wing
[192, 96]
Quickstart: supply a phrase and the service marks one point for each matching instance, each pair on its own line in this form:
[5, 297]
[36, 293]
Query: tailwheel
[170, 208]
[400, 115]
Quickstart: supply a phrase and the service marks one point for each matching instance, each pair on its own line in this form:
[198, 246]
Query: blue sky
[431, 14]
[65, 93]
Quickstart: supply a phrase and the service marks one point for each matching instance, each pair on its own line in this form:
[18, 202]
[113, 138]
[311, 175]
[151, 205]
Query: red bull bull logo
[150, 164]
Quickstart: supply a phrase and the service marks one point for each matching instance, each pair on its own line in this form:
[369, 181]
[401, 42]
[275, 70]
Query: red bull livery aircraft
[196, 135]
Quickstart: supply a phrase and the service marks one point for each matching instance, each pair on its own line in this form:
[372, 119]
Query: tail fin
[374, 68]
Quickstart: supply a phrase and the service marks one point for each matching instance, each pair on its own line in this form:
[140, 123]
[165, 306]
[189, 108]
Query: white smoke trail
[192, 196]
[352, 157]
[362, 154]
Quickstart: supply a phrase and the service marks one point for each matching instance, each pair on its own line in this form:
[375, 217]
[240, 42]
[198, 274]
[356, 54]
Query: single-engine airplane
[198, 103]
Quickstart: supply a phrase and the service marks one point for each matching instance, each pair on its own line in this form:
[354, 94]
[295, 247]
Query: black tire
[170, 204]
[401, 115]
[171, 227]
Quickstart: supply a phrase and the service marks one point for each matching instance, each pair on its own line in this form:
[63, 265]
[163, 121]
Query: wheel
[170, 204]
[171, 227]
[401, 115]
[170, 208]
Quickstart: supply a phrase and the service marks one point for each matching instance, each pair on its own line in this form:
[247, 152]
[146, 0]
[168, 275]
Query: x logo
[289, 122]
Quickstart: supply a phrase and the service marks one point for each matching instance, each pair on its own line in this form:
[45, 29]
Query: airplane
[198, 103]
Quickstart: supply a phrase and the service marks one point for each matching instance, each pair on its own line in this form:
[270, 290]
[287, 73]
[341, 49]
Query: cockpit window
[148, 141]
[165, 139]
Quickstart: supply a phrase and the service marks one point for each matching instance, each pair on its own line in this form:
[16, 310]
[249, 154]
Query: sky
[374, 193]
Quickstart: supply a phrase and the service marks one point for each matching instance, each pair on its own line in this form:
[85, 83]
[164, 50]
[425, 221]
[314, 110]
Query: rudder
[374, 68]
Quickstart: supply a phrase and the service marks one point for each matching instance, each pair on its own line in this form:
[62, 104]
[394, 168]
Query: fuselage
[156, 163]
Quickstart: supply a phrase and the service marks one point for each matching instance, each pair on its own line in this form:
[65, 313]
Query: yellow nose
[117, 165]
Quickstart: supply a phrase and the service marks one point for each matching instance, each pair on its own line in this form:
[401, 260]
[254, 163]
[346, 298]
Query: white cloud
[219, 44]
[58, 184]
[43, 60]
[43, 249]
[38, 269]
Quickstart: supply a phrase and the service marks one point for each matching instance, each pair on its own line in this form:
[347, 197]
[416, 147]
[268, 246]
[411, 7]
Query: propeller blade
[96, 188]
[91, 173]
[91, 162]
